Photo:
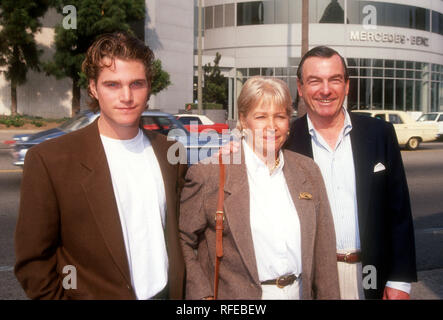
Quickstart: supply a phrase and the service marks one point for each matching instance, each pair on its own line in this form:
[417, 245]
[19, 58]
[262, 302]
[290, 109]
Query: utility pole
[304, 47]
[199, 58]
[305, 27]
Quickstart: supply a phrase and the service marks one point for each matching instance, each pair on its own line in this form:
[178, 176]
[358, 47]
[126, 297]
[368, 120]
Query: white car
[410, 133]
[433, 117]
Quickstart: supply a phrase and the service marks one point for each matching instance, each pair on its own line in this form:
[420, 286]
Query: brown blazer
[238, 268]
[68, 216]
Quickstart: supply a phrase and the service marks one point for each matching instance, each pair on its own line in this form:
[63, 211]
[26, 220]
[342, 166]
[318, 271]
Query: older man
[362, 167]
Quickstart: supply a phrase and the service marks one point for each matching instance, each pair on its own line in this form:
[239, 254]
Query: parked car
[197, 122]
[25, 141]
[198, 146]
[433, 117]
[410, 133]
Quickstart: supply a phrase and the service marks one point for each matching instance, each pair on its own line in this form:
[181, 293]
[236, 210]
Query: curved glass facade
[397, 85]
[324, 11]
[389, 14]
[377, 82]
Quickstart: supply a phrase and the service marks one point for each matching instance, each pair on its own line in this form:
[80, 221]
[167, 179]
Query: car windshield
[75, 123]
[189, 120]
[428, 117]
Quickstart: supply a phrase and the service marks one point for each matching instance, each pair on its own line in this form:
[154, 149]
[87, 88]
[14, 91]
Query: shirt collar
[347, 126]
[255, 164]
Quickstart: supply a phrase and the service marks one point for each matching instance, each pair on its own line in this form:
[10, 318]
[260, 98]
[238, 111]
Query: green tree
[94, 17]
[214, 90]
[19, 21]
[160, 79]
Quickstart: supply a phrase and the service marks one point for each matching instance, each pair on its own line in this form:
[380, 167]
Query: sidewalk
[429, 285]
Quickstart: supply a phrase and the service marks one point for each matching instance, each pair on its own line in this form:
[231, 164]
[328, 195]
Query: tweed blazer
[68, 216]
[238, 277]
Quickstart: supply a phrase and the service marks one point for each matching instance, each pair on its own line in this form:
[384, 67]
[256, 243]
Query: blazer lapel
[363, 151]
[296, 179]
[300, 139]
[237, 211]
[170, 183]
[99, 192]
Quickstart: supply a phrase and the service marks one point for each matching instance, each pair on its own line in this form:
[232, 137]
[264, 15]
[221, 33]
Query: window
[254, 72]
[440, 119]
[427, 117]
[268, 72]
[389, 63]
[409, 95]
[189, 120]
[249, 13]
[242, 72]
[229, 14]
[399, 94]
[281, 11]
[157, 124]
[377, 93]
[353, 94]
[365, 93]
[437, 22]
[218, 16]
[209, 17]
[295, 10]
[395, 119]
[389, 15]
[327, 11]
[389, 73]
[281, 71]
[389, 94]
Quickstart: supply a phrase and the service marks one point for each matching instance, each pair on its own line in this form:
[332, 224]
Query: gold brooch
[305, 195]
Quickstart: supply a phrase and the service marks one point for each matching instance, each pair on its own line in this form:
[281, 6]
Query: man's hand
[394, 294]
[231, 147]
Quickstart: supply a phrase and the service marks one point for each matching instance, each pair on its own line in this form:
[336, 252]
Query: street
[424, 170]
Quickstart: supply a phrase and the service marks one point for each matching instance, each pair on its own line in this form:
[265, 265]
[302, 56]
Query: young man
[363, 171]
[98, 208]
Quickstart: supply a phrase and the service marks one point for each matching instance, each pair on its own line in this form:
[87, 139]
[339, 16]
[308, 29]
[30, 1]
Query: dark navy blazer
[384, 210]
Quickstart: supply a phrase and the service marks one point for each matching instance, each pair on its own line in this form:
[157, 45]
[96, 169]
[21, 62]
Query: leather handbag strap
[219, 218]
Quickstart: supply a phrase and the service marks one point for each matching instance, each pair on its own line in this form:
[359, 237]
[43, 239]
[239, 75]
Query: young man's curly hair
[115, 45]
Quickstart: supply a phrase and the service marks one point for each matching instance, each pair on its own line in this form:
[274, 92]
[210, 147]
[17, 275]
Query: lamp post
[301, 107]
[199, 59]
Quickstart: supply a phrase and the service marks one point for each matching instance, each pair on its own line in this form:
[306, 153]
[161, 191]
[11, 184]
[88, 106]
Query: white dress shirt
[275, 225]
[141, 201]
[337, 168]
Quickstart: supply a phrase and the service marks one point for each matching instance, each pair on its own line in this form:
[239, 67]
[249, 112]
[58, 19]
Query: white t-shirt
[141, 201]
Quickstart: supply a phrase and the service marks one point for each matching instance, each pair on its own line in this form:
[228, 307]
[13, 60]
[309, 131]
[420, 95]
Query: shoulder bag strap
[219, 218]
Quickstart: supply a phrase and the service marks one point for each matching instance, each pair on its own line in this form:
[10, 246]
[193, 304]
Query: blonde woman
[278, 238]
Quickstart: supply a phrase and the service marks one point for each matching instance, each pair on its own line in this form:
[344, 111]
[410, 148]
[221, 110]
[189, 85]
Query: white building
[169, 31]
[394, 50]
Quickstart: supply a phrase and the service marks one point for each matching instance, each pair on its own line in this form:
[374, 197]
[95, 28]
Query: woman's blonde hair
[262, 90]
